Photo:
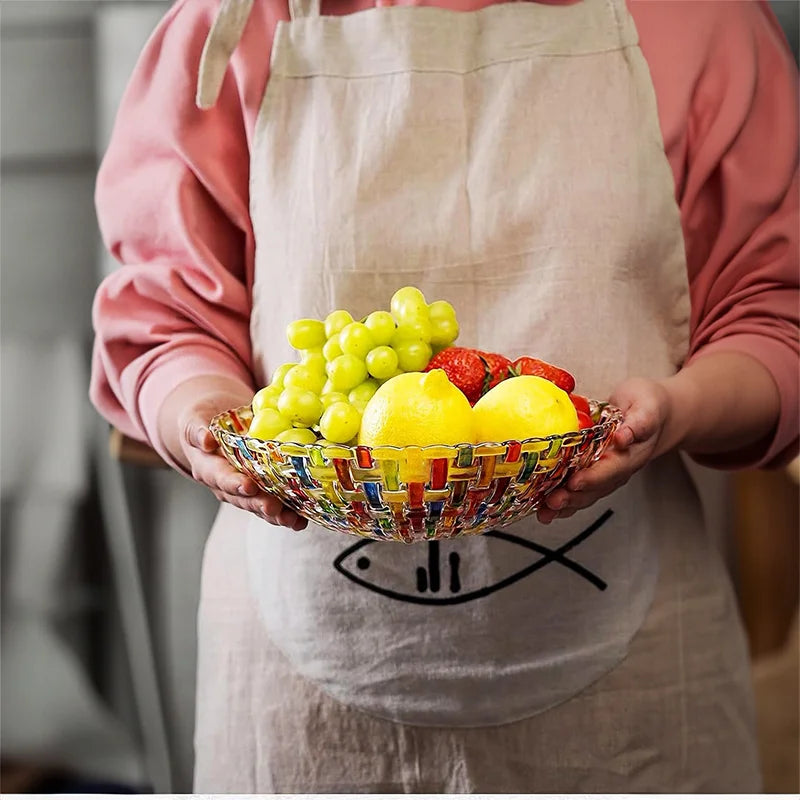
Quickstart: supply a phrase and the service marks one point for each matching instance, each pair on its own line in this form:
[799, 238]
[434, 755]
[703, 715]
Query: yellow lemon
[417, 408]
[524, 408]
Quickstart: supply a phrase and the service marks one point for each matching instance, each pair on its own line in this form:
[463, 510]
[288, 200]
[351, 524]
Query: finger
[557, 499]
[216, 473]
[269, 508]
[604, 470]
[286, 517]
[580, 500]
[546, 515]
[640, 423]
[590, 485]
[198, 435]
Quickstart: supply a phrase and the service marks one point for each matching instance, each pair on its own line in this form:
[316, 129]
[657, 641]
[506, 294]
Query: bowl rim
[614, 417]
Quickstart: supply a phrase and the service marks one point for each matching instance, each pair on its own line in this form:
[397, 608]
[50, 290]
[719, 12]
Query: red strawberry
[472, 371]
[581, 403]
[498, 368]
[525, 365]
[584, 420]
[464, 367]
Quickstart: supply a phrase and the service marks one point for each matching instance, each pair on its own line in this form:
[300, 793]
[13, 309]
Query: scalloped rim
[613, 418]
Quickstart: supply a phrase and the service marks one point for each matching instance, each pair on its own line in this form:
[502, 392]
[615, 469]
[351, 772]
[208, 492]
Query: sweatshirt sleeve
[727, 93]
[172, 204]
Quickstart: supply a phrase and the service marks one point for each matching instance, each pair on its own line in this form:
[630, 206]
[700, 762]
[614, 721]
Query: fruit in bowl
[525, 407]
[384, 428]
[341, 364]
[375, 381]
[417, 409]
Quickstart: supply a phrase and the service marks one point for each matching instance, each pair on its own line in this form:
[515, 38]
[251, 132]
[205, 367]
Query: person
[609, 186]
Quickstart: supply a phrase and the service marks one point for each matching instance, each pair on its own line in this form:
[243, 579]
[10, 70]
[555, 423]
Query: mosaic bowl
[412, 494]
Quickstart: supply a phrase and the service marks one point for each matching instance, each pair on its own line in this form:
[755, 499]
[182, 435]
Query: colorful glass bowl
[413, 494]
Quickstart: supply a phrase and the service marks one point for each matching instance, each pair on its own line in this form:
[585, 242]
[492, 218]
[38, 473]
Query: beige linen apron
[509, 160]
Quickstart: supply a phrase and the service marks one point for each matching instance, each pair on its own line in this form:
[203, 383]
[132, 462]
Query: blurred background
[101, 548]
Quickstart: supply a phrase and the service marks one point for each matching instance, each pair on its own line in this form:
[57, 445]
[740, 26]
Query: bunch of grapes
[342, 364]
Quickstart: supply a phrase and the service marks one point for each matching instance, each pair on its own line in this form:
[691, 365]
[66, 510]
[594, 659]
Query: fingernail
[246, 491]
[199, 438]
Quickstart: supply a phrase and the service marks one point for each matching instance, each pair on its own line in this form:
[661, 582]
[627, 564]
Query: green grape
[413, 355]
[297, 435]
[340, 423]
[337, 320]
[280, 374]
[444, 331]
[305, 333]
[266, 398]
[360, 405]
[328, 387]
[414, 314]
[303, 377]
[316, 363]
[329, 398]
[314, 359]
[268, 423]
[381, 325]
[418, 330]
[382, 362]
[363, 392]
[408, 303]
[300, 406]
[346, 372]
[332, 348]
[441, 309]
[356, 340]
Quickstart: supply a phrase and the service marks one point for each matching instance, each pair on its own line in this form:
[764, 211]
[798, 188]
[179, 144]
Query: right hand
[200, 455]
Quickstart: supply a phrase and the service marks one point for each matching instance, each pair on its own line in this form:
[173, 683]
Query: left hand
[647, 409]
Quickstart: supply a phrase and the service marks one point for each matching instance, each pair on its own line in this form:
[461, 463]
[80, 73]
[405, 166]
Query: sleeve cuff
[173, 369]
[782, 362]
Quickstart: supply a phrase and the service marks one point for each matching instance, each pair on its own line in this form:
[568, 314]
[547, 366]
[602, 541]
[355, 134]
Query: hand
[209, 467]
[647, 408]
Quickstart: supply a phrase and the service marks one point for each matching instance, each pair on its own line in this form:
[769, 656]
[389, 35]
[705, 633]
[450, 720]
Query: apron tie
[222, 39]
[300, 9]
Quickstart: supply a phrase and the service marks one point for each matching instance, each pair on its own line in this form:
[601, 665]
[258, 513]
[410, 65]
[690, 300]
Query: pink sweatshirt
[172, 199]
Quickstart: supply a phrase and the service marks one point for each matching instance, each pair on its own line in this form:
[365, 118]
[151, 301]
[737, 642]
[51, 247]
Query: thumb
[198, 435]
[641, 417]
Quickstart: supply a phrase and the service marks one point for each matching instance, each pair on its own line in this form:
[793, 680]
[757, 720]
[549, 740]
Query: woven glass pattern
[413, 494]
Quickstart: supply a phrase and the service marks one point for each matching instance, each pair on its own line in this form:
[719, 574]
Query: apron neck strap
[223, 37]
[301, 9]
